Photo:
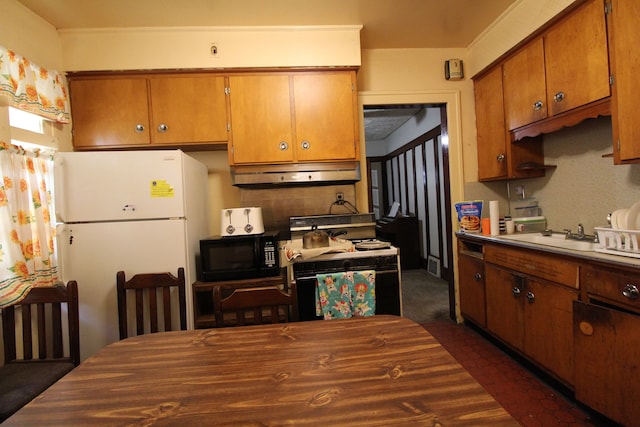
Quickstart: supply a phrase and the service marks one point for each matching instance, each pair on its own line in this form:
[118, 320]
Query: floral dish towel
[346, 294]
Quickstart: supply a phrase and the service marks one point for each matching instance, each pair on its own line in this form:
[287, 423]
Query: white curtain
[27, 229]
[33, 88]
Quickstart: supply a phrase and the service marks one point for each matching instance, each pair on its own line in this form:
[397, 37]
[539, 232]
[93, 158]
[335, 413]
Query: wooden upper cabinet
[261, 119]
[624, 31]
[188, 109]
[109, 112]
[564, 68]
[325, 114]
[293, 117]
[490, 126]
[577, 59]
[524, 86]
[115, 111]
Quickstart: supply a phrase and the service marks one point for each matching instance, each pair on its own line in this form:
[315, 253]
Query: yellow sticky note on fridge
[160, 188]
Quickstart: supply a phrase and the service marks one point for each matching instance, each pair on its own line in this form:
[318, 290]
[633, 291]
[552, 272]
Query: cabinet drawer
[550, 267]
[621, 287]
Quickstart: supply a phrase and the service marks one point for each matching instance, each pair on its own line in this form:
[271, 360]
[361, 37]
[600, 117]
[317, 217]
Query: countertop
[591, 256]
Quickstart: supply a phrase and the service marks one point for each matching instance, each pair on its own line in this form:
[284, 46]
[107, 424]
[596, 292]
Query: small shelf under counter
[203, 305]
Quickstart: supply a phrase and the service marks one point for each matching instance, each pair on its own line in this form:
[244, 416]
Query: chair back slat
[148, 287]
[27, 334]
[46, 304]
[166, 306]
[267, 304]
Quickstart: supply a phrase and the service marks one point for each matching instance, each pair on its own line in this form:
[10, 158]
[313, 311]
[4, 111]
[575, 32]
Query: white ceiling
[386, 23]
[380, 122]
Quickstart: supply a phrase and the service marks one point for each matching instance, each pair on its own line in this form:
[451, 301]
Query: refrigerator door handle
[58, 188]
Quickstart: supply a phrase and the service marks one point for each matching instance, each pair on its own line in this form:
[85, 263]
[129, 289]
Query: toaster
[241, 221]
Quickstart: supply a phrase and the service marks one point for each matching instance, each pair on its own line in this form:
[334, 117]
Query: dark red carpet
[528, 399]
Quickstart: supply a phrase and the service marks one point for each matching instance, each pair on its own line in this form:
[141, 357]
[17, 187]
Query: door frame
[452, 146]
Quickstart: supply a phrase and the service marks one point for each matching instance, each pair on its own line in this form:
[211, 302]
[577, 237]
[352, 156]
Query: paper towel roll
[494, 217]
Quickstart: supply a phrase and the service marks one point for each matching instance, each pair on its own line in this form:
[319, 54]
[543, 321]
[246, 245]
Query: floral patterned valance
[32, 88]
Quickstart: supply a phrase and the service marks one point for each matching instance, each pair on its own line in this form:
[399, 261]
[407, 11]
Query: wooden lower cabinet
[472, 288]
[534, 316]
[505, 314]
[607, 361]
[577, 320]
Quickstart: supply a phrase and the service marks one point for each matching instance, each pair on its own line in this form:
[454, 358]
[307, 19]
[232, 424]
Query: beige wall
[26, 33]
[386, 76]
[189, 47]
[519, 21]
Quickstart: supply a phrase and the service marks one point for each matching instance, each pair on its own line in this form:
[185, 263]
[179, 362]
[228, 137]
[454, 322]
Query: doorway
[412, 170]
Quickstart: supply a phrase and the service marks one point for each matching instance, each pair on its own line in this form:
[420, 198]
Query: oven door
[388, 292]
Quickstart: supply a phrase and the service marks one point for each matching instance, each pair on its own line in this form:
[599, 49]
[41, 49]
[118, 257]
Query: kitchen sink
[557, 240]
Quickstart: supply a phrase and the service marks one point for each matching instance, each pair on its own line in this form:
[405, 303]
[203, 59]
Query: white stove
[343, 256]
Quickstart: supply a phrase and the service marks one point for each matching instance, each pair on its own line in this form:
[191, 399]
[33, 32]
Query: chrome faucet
[580, 235]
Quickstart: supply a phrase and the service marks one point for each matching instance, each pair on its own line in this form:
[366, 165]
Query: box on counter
[530, 224]
[469, 215]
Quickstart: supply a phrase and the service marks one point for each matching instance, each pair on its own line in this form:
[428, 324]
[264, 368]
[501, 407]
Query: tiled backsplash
[584, 187]
[280, 203]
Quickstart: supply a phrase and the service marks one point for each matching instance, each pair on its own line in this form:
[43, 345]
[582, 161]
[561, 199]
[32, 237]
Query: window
[24, 120]
[29, 130]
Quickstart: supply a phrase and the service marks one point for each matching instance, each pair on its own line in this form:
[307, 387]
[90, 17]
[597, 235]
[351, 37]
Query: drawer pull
[531, 297]
[537, 106]
[477, 277]
[558, 97]
[516, 291]
[631, 291]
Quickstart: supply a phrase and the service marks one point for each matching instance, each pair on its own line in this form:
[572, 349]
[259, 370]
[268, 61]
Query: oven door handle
[377, 272]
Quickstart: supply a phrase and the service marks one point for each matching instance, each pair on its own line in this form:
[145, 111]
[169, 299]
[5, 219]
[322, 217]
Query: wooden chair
[255, 306]
[28, 371]
[152, 318]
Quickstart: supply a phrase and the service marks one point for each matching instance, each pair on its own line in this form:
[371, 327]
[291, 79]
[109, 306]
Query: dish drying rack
[618, 242]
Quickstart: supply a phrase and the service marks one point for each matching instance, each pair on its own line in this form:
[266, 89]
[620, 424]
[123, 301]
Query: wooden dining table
[372, 371]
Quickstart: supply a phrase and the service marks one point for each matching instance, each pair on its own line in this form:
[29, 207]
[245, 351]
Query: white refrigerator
[136, 211]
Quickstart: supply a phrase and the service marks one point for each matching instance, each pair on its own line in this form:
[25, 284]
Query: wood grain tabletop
[372, 371]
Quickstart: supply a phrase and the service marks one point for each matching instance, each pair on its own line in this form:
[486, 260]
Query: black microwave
[239, 257]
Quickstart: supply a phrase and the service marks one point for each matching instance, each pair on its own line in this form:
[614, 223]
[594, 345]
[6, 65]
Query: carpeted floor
[425, 298]
[525, 396]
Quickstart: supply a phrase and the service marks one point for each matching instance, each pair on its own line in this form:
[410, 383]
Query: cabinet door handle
[283, 146]
[558, 97]
[631, 291]
[139, 128]
[477, 277]
[531, 297]
[500, 157]
[305, 145]
[516, 291]
[537, 106]
[162, 128]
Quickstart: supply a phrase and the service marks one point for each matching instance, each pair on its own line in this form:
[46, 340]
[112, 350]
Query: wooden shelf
[570, 118]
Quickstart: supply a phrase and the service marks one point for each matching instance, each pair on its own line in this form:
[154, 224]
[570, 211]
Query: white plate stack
[626, 219]
[623, 237]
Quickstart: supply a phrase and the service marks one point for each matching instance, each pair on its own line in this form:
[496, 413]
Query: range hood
[296, 174]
